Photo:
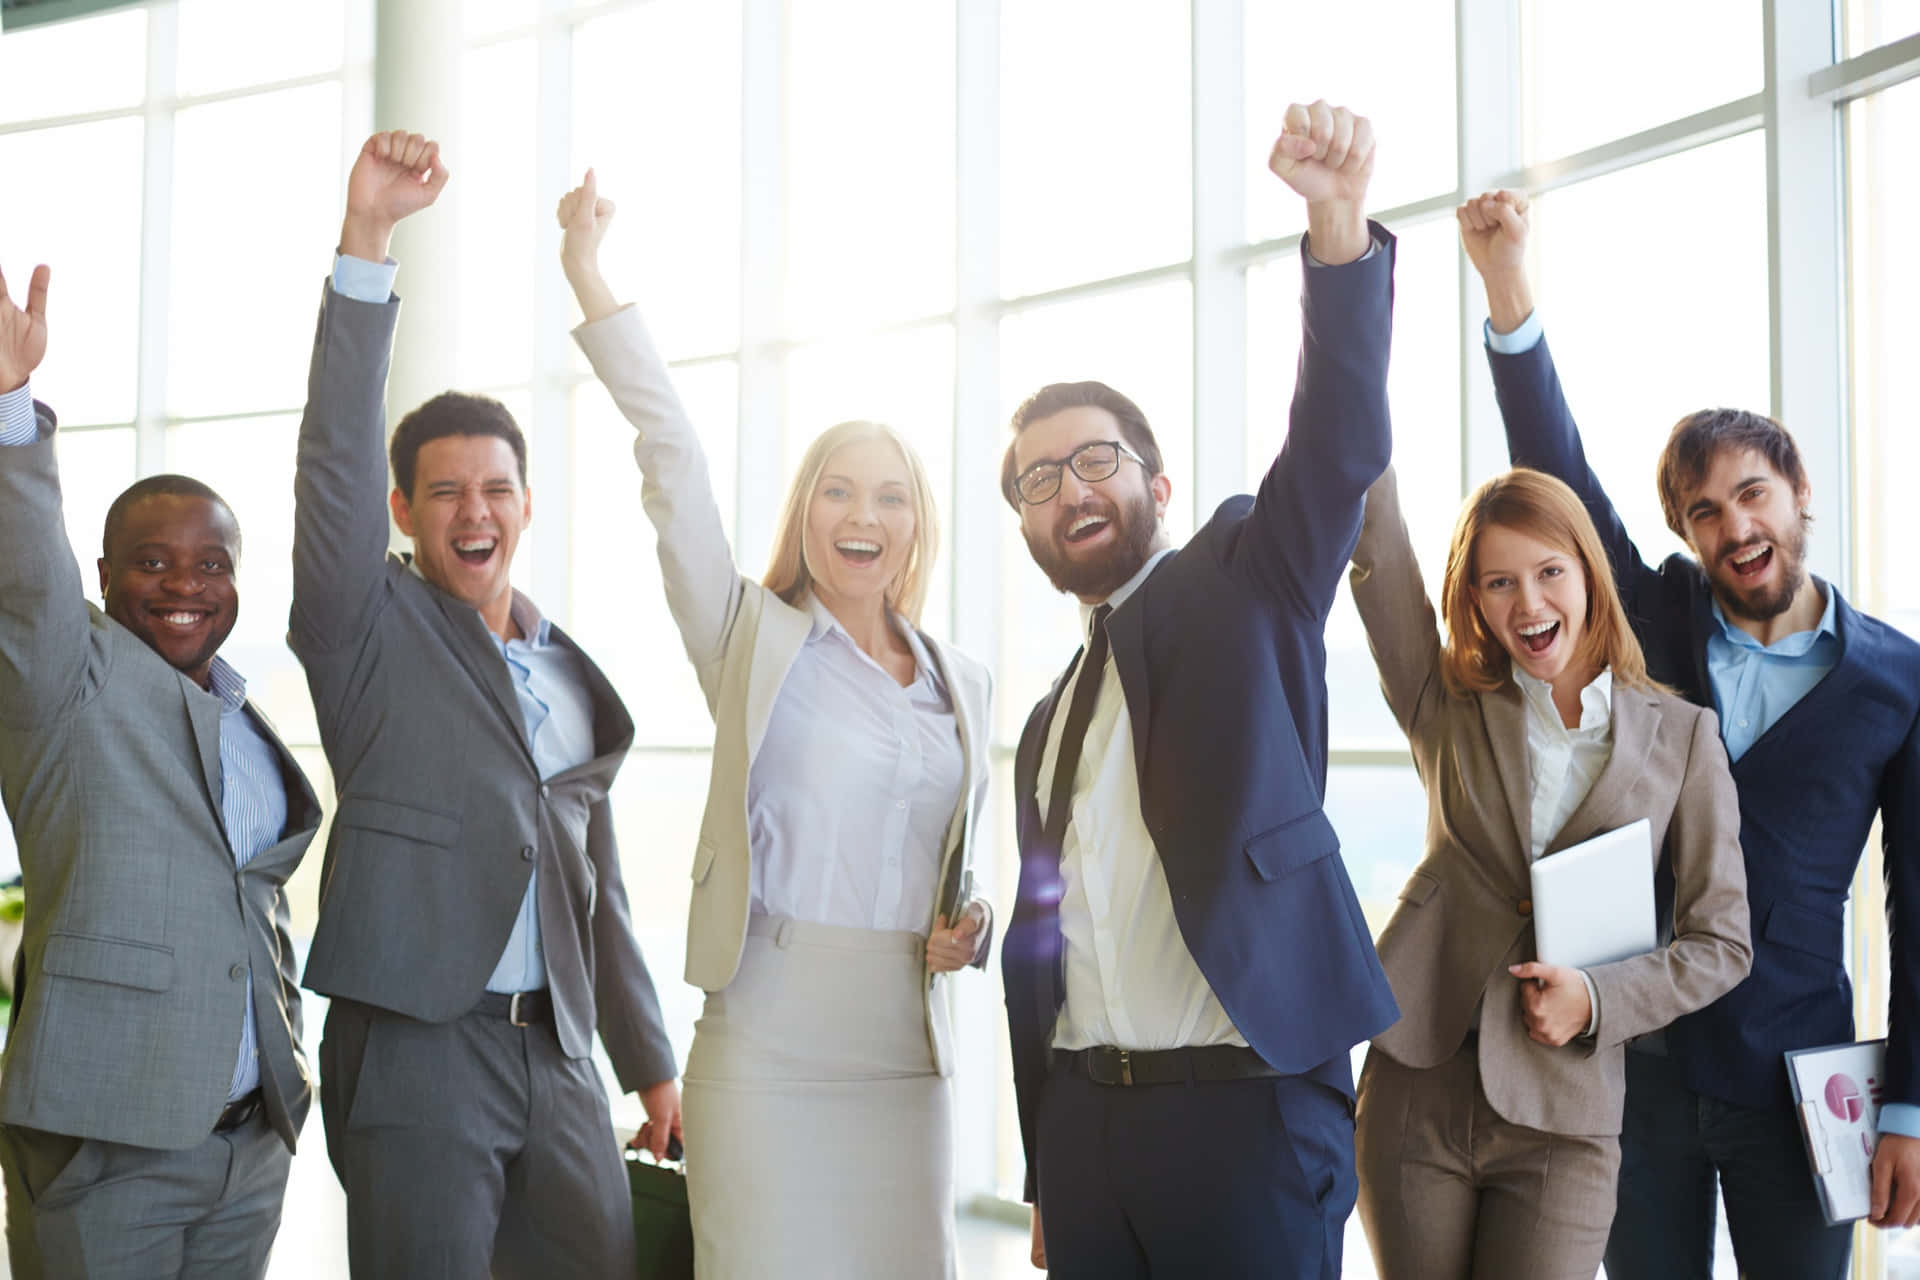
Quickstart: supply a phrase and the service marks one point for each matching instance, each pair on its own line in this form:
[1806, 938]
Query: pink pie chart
[1844, 1098]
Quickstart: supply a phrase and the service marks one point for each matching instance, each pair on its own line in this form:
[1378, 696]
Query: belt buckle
[1126, 1067]
[513, 1011]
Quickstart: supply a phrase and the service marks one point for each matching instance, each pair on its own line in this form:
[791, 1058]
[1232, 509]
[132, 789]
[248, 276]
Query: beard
[1136, 528]
[1763, 604]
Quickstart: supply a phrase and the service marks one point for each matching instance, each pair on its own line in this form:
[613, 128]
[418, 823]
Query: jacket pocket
[703, 861]
[370, 813]
[123, 964]
[1803, 929]
[1419, 887]
[1280, 851]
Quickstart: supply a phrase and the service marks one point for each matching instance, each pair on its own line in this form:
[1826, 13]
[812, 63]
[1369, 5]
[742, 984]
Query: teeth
[1538, 628]
[180, 619]
[857, 544]
[1748, 557]
[474, 544]
[1084, 522]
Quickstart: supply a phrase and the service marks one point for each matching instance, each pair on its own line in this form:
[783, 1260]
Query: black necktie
[1066, 763]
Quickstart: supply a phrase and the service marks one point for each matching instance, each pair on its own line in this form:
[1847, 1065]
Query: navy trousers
[1675, 1144]
[1241, 1178]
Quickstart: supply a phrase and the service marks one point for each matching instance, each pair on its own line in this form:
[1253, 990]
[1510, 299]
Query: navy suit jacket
[1222, 658]
[1809, 788]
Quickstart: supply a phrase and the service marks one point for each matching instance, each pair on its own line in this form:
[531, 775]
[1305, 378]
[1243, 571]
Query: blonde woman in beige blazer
[849, 769]
[1489, 1115]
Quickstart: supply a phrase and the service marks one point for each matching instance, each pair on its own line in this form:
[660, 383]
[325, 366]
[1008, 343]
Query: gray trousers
[471, 1147]
[91, 1210]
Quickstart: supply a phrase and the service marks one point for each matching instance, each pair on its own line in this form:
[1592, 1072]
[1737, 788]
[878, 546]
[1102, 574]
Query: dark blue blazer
[1809, 788]
[1222, 658]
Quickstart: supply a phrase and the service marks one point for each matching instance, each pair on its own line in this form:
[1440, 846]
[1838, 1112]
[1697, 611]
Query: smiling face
[1744, 520]
[1090, 537]
[169, 577]
[861, 522]
[465, 517]
[1533, 597]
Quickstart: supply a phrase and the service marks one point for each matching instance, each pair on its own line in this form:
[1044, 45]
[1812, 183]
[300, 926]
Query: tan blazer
[1464, 915]
[742, 640]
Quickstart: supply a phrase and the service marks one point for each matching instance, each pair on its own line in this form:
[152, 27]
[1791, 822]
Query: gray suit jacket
[442, 811]
[128, 1015]
[1465, 913]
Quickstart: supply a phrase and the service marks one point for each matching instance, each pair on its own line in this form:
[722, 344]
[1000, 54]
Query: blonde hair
[1536, 504]
[787, 573]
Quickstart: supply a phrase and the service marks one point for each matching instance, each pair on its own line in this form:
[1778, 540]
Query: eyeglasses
[1096, 460]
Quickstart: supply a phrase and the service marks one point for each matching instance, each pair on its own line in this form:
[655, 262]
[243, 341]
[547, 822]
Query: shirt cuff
[1593, 999]
[1523, 339]
[1902, 1118]
[1374, 246]
[18, 424]
[364, 281]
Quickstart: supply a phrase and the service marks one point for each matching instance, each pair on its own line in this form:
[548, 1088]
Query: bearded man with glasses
[1188, 968]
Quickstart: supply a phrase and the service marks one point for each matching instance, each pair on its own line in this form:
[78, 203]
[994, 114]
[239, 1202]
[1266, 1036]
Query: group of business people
[1186, 964]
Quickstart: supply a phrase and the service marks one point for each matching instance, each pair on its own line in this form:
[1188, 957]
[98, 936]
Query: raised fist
[584, 218]
[1493, 231]
[1324, 153]
[395, 175]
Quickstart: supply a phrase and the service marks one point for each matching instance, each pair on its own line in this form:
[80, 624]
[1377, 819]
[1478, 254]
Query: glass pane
[1423, 388]
[1601, 264]
[656, 112]
[1871, 23]
[869, 240]
[488, 17]
[1404, 85]
[498, 218]
[95, 64]
[250, 463]
[225, 44]
[1678, 59]
[1141, 343]
[904, 380]
[1882, 132]
[245, 289]
[93, 246]
[94, 467]
[619, 608]
[1096, 147]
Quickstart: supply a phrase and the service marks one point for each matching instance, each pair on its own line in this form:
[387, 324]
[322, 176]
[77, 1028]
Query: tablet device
[1593, 902]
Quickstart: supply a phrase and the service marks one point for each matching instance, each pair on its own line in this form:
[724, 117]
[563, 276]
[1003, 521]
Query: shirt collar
[227, 684]
[1126, 589]
[1596, 700]
[1790, 646]
[526, 615]
[825, 624]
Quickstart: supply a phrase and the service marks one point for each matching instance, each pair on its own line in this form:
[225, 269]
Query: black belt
[237, 1113]
[1108, 1065]
[521, 1008]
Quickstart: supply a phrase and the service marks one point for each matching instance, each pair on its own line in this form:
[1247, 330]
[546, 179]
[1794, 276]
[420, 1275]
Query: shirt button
[545, 790]
[238, 972]
[526, 853]
[1743, 724]
[899, 804]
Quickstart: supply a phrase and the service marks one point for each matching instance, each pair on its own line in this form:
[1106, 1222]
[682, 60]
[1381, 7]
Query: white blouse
[854, 788]
[1564, 763]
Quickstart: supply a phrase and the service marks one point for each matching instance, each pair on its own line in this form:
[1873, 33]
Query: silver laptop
[1593, 902]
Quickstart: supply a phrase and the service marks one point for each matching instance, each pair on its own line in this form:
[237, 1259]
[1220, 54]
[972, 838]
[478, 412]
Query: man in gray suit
[473, 925]
[153, 1083]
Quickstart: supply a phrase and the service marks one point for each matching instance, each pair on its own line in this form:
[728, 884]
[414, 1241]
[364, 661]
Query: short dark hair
[1056, 397]
[156, 486]
[452, 413]
[1697, 438]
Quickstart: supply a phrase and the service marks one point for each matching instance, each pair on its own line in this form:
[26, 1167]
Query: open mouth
[1085, 529]
[857, 551]
[475, 551]
[1752, 562]
[180, 621]
[1538, 637]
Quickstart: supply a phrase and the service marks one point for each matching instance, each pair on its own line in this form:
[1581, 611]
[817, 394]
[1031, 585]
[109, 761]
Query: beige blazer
[1464, 915]
[742, 640]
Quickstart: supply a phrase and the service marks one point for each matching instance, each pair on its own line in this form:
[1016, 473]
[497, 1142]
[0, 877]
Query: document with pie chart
[1837, 1092]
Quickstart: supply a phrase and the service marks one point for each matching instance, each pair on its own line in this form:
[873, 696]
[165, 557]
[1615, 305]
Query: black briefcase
[662, 1221]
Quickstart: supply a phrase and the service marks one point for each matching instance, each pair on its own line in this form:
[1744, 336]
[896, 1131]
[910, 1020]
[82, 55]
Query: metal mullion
[1698, 130]
[156, 241]
[762, 401]
[1401, 215]
[1865, 73]
[550, 394]
[1219, 280]
[1489, 110]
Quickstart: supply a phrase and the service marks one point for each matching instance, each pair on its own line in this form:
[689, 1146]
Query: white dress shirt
[854, 787]
[1131, 981]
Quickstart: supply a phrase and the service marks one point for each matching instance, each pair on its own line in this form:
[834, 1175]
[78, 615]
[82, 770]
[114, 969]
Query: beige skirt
[819, 1135]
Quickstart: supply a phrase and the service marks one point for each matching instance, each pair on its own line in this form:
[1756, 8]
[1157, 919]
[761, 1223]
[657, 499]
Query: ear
[402, 510]
[1162, 490]
[526, 509]
[102, 562]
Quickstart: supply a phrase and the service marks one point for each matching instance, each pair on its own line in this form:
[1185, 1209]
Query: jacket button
[1526, 906]
[526, 853]
[238, 972]
[545, 790]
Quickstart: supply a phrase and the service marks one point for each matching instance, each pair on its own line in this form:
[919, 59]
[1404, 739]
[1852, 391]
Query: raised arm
[1541, 432]
[704, 589]
[1393, 605]
[340, 482]
[43, 616]
[1307, 513]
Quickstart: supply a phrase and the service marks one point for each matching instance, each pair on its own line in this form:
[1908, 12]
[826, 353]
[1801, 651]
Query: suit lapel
[783, 630]
[1505, 711]
[1636, 723]
[1126, 633]
[203, 716]
[476, 649]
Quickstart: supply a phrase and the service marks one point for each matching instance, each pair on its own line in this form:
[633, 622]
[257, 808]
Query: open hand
[23, 334]
[1553, 1002]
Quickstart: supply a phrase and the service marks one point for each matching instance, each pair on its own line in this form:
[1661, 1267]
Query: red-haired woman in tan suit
[1489, 1115]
